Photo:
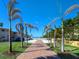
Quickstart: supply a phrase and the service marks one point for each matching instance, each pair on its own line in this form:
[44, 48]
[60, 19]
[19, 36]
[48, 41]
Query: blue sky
[38, 12]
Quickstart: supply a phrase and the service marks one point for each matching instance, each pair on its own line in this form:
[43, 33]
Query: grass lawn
[4, 48]
[71, 52]
[72, 49]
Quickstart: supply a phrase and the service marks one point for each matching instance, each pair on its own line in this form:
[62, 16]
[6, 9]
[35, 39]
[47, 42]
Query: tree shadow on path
[67, 56]
[48, 57]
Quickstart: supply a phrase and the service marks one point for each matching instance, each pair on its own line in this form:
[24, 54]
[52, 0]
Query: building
[4, 35]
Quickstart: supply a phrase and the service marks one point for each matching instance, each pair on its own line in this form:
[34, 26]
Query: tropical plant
[71, 27]
[12, 12]
[31, 27]
[47, 30]
[55, 31]
[69, 10]
[20, 29]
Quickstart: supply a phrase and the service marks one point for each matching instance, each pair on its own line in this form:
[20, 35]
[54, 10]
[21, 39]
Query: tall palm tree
[12, 15]
[46, 29]
[71, 26]
[26, 33]
[31, 27]
[53, 22]
[20, 29]
[69, 10]
[55, 31]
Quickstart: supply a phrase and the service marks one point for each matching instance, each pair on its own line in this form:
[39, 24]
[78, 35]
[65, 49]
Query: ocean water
[35, 39]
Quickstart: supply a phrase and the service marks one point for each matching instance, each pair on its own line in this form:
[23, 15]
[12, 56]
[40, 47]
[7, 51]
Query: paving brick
[38, 50]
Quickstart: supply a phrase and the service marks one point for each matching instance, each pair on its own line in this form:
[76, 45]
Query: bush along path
[38, 50]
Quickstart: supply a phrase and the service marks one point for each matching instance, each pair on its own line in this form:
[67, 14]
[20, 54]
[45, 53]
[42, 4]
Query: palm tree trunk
[48, 38]
[26, 36]
[10, 41]
[54, 39]
[30, 32]
[62, 41]
[22, 39]
[27, 41]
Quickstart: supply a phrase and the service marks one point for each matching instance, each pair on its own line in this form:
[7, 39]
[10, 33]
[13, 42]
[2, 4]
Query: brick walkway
[38, 50]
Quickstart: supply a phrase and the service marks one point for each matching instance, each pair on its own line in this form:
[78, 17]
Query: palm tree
[46, 29]
[31, 27]
[53, 22]
[20, 29]
[71, 26]
[69, 10]
[55, 31]
[26, 33]
[12, 15]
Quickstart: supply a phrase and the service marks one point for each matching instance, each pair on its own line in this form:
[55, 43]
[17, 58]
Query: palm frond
[19, 27]
[69, 10]
[16, 26]
[14, 11]
[46, 28]
[16, 16]
[31, 26]
[13, 1]
[11, 8]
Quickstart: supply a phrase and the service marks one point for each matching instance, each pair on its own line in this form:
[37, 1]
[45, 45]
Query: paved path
[38, 50]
